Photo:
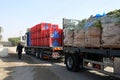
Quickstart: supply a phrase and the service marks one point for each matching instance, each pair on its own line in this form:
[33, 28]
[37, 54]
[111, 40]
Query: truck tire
[71, 63]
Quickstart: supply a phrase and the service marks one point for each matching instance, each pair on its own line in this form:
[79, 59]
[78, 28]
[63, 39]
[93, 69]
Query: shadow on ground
[35, 69]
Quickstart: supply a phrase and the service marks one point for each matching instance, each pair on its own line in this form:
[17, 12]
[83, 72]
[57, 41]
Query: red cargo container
[41, 42]
[52, 42]
[54, 26]
[33, 36]
[37, 42]
[33, 29]
[38, 27]
[45, 42]
[45, 34]
[54, 33]
[61, 32]
[45, 26]
[31, 42]
[42, 34]
[37, 35]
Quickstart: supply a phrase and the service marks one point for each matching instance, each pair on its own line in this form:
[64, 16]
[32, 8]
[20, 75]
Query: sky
[18, 15]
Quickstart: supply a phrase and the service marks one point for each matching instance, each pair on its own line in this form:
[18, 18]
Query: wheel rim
[70, 62]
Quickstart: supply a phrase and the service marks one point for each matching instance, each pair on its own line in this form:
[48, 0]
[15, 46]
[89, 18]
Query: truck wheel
[71, 63]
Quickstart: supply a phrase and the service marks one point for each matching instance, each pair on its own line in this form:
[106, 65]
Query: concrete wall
[6, 43]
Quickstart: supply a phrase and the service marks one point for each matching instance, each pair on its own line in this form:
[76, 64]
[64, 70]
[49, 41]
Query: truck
[44, 41]
[92, 43]
[96, 49]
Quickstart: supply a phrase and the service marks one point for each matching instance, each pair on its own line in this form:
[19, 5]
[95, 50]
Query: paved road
[30, 68]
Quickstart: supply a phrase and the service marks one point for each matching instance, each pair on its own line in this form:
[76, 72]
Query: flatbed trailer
[44, 52]
[104, 60]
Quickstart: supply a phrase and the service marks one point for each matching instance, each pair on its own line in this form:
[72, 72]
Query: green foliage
[14, 40]
[97, 24]
[115, 13]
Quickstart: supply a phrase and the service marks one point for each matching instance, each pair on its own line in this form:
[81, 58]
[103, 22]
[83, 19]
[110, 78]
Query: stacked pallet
[95, 32]
[46, 35]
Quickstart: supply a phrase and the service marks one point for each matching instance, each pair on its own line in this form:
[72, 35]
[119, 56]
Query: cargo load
[46, 35]
[99, 32]
[86, 33]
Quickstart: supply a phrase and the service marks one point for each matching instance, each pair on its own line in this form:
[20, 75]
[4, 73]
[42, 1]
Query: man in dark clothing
[19, 50]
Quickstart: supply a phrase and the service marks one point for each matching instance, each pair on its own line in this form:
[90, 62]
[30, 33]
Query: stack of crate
[46, 35]
[53, 36]
[33, 35]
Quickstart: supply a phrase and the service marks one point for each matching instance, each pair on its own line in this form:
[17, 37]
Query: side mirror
[23, 37]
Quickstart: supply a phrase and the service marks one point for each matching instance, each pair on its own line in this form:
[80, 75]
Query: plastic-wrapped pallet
[111, 31]
[93, 33]
[79, 35]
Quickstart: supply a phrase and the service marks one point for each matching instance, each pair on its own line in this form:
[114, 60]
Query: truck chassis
[103, 60]
[44, 52]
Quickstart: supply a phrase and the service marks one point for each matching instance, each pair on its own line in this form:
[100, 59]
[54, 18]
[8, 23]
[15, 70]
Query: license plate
[55, 55]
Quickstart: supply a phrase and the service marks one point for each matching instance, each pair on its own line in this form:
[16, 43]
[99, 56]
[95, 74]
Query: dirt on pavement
[11, 68]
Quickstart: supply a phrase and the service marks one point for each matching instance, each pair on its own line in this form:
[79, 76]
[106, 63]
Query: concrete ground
[30, 68]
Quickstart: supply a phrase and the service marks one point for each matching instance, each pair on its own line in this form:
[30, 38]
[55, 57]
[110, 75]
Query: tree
[14, 40]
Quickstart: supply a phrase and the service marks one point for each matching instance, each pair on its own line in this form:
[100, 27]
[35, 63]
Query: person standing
[19, 50]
